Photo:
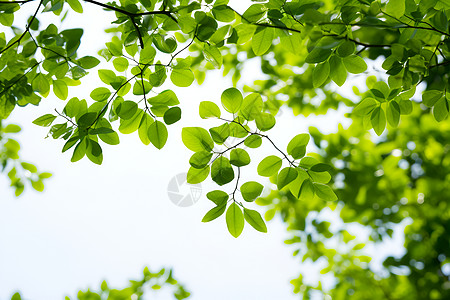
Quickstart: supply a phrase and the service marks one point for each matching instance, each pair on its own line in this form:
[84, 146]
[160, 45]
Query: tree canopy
[395, 52]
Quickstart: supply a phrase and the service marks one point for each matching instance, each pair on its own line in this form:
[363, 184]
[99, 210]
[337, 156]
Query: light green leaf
[378, 120]
[429, 98]
[197, 175]
[167, 98]
[269, 166]
[239, 157]
[262, 40]
[253, 141]
[251, 190]
[120, 64]
[60, 89]
[338, 72]
[200, 159]
[218, 197]
[324, 192]
[365, 107]
[255, 220]
[252, 106]
[213, 55]
[318, 55]
[286, 176]
[157, 133]
[214, 213]
[209, 109]
[265, 121]
[197, 139]
[320, 74]
[297, 145]
[235, 220]
[182, 77]
[231, 100]
[354, 64]
[393, 113]
[100, 94]
[45, 120]
[144, 125]
[441, 109]
[396, 8]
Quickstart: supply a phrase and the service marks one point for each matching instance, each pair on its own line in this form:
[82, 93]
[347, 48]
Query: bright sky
[110, 221]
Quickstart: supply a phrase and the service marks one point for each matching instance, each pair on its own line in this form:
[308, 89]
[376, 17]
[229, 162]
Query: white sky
[110, 221]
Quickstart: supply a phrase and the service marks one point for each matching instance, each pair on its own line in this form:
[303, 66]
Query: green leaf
[338, 72]
[286, 176]
[197, 139]
[269, 166]
[60, 89]
[199, 160]
[297, 146]
[41, 84]
[320, 167]
[254, 13]
[209, 109]
[320, 74]
[255, 220]
[365, 107]
[324, 192]
[88, 62]
[100, 94]
[378, 120]
[94, 152]
[291, 42]
[167, 97]
[108, 138]
[396, 8]
[218, 197]
[213, 55]
[157, 133]
[222, 171]
[223, 13]
[182, 77]
[12, 128]
[80, 151]
[262, 40]
[265, 121]
[232, 100]
[127, 109]
[393, 113]
[253, 141]
[318, 55]
[235, 220]
[346, 48]
[172, 115]
[141, 87]
[75, 5]
[214, 213]
[107, 76]
[239, 157]
[45, 120]
[197, 175]
[429, 98]
[144, 125]
[354, 64]
[441, 109]
[252, 106]
[131, 125]
[220, 133]
[307, 190]
[251, 190]
[120, 64]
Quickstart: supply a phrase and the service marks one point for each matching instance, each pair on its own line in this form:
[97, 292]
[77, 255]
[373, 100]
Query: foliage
[136, 289]
[19, 172]
[306, 50]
